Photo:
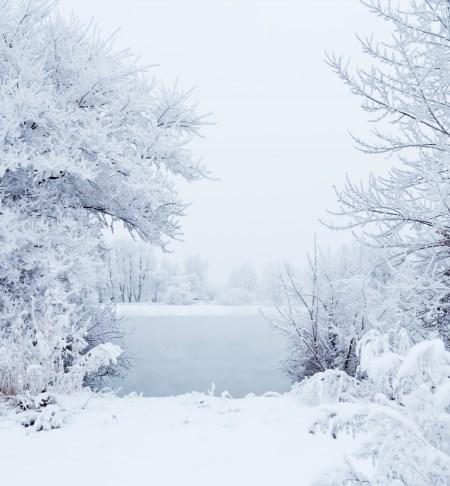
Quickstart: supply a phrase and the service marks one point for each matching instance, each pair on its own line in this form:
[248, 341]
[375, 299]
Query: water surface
[179, 354]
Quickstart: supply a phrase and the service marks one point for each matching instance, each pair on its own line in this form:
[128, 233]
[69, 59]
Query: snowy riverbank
[191, 440]
[199, 310]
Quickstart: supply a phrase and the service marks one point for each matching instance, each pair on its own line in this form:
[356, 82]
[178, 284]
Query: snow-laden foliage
[85, 142]
[403, 419]
[407, 210]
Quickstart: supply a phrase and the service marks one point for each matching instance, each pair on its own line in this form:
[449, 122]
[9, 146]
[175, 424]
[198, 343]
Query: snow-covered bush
[330, 386]
[326, 310]
[87, 142]
[39, 412]
[43, 419]
[404, 423]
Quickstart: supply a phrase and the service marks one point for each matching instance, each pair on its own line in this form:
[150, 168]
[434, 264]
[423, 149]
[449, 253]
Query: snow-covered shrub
[105, 328]
[38, 412]
[45, 419]
[87, 142]
[326, 310]
[330, 386]
[404, 423]
[379, 359]
[100, 357]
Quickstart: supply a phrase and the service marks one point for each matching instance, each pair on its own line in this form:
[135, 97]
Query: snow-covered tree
[86, 142]
[179, 291]
[184, 284]
[271, 283]
[244, 277]
[131, 265]
[158, 282]
[407, 211]
[196, 271]
[137, 274]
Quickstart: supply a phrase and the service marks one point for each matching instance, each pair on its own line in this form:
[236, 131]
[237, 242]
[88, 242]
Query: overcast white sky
[281, 139]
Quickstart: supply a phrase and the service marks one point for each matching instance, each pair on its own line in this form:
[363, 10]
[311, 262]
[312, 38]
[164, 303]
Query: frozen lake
[236, 349]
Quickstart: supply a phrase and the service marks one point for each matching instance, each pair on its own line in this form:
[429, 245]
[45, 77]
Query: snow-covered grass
[187, 440]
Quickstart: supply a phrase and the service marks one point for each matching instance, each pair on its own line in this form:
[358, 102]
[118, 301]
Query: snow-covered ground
[192, 439]
[189, 440]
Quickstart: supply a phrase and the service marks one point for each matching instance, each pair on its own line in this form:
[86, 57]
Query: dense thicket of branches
[325, 310]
